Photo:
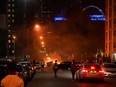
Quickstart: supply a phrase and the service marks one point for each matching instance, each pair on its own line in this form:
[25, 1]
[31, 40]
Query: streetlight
[14, 37]
[41, 37]
[35, 28]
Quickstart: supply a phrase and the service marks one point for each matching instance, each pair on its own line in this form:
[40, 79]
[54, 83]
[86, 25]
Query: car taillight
[101, 71]
[84, 71]
[92, 67]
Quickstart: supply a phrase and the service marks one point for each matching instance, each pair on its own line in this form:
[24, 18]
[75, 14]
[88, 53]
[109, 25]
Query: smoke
[78, 35]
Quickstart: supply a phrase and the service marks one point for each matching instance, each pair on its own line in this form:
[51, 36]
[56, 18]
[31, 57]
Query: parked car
[29, 68]
[37, 65]
[4, 62]
[65, 65]
[90, 71]
[109, 69]
[20, 71]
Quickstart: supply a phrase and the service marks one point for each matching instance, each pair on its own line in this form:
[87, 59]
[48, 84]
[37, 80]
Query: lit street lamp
[35, 28]
[41, 37]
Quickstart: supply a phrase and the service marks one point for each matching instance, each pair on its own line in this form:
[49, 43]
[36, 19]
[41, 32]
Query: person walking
[73, 69]
[12, 80]
[42, 65]
[55, 68]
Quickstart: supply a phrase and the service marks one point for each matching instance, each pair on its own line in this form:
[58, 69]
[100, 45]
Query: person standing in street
[12, 80]
[42, 65]
[73, 69]
[55, 68]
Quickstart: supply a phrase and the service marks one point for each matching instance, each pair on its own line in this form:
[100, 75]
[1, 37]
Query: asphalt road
[46, 79]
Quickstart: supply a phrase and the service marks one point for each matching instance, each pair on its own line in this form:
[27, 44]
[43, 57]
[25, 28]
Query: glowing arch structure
[93, 6]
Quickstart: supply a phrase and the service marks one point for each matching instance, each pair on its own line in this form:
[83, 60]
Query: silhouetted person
[12, 80]
[73, 69]
[42, 65]
[55, 68]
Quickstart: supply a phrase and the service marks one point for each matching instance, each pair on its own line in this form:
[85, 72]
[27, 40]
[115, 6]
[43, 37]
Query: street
[46, 79]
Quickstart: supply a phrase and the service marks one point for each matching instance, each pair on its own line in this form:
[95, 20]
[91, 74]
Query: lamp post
[14, 37]
[36, 28]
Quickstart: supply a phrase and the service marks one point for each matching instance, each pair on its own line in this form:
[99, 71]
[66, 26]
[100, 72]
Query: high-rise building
[45, 11]
[3, 31]
[110, 29]
[10, 19]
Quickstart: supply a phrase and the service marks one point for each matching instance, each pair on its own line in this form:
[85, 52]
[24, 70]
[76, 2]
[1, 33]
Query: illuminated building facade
[110, 29]
[6, 27]
[10, 19]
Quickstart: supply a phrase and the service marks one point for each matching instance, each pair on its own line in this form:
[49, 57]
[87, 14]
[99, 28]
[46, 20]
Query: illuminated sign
[60, 18]
[97, 17]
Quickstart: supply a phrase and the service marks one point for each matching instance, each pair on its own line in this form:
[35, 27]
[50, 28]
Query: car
[90, 71]
[4, 62]
[29, 68]
[20, 71]
[109, 69]
[37, 65]
[65, 65]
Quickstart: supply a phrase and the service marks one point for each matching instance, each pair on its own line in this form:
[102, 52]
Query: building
[110, 29]
[10, 20]
[3, 30]
[46, 10]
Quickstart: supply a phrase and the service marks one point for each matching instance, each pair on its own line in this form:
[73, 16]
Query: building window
[12, 20]
[110, 24]
[12, 10]
[9, 10]
[13, 15]
[9, 15]
[114, 32]
[110, 3]
[110, 34]
[110, 46]
[106, 45]
[9, 36]
[114, 45]
[114, 9]
[9, 31]
[9, 5]
[9, 25]
[106, 35]
[12, 5]
[9, 41]
[12, 51]
[9, 46]
[110, 12]
[12, 41]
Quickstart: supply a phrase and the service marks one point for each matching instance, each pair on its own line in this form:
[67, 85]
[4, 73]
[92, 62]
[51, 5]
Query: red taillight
[101, 71]
[84, 71]
[92, 67]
